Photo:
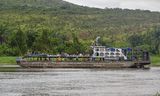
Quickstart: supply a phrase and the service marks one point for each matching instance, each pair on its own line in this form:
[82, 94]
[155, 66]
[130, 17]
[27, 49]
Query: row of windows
[106, 54]
[111, 56]
[102, 49]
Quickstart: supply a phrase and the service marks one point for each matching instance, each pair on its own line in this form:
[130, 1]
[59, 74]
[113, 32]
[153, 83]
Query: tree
[42, 43]
[135, 40]
[31, 38]
[156, 40]
[19, 39]
[4, 31]
[79, 48]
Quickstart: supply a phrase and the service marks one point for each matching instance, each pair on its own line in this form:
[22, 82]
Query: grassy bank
[155, 60]
[7, 60]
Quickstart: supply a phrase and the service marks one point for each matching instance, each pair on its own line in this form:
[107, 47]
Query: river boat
[101, 57]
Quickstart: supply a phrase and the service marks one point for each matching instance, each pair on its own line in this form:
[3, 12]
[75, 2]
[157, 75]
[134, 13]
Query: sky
[153, 5]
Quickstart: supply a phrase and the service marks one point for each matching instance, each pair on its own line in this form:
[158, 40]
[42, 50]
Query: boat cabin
[108, 53]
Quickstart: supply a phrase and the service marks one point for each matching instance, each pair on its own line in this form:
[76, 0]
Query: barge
[101, 57]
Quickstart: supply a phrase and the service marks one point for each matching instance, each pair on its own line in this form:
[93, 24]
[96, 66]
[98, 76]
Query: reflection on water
[81, 82]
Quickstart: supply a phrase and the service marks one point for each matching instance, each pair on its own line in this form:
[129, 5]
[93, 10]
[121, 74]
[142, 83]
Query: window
[108, 49]
[97, 54]
[112, 49]
[102, 49]
[101, 54]
[117, 54]
[97, 49]
[107, 54]
[112, 53]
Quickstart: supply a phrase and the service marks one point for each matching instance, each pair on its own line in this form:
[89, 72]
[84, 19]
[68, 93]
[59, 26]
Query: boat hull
[49, 64]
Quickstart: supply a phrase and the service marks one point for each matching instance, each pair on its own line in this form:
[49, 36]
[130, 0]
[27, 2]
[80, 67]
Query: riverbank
[8, 60]
[11, 60]
[155, 60]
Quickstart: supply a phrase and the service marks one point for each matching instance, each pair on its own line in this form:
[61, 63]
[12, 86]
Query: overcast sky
[153, 5]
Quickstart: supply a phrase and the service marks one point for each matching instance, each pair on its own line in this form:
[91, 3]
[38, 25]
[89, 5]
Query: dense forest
[56, 26]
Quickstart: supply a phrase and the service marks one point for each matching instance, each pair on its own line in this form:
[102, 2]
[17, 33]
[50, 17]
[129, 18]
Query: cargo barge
[101, 57]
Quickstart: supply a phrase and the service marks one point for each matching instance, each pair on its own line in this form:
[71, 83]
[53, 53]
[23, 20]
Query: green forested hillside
[54, 26]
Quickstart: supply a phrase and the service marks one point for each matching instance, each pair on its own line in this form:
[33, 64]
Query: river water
[81, 82]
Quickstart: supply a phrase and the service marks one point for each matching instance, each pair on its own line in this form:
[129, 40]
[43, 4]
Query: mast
[97, 41]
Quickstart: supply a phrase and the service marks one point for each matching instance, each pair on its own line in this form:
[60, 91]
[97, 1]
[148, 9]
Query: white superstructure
[108, 53]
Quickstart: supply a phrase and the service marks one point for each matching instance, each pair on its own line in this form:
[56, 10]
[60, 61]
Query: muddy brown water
[81, 82]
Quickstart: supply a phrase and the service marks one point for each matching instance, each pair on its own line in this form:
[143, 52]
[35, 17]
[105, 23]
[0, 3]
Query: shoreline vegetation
[11, 60]
[56, 26]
